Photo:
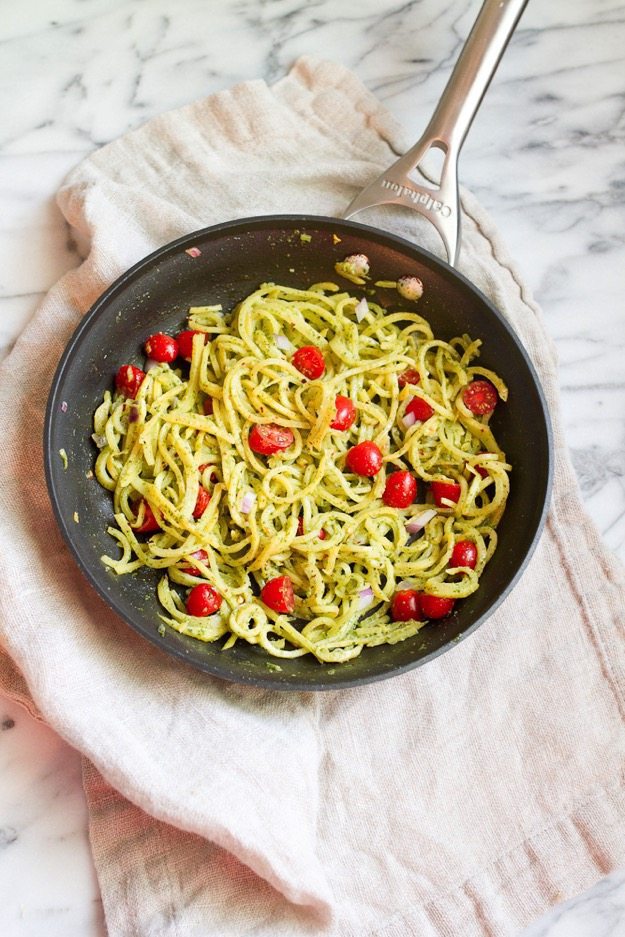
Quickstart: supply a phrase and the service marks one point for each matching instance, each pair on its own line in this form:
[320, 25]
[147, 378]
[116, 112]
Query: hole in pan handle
[447, 129]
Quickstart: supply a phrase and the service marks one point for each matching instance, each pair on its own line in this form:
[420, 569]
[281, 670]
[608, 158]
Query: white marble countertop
[546, 157]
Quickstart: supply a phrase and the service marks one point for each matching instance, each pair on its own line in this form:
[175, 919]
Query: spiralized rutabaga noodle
[302, 513]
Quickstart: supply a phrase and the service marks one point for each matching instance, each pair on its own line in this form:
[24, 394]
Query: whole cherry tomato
[310, 361]
[200, 555]
[409, 376]
[405, 605]
[129, 379]
[203, 600]
[464, 553]
[345, 413]
[480, 397]
[420, 408]
[269, 438]
[365, 459]
[435, 606]
[277, 594]
[400, 490]
[185, 342]
[149, 523]
[161, 347]
[203, 497]
[450, 491]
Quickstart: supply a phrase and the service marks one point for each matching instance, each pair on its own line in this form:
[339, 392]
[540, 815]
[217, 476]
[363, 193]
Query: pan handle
[448, 128]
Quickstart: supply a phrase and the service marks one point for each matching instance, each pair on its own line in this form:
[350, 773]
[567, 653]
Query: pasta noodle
[301, 513]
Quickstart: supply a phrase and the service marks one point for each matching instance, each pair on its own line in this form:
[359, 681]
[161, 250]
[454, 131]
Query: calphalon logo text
[419, 198]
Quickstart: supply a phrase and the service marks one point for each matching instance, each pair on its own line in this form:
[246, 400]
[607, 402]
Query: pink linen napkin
[462, 798]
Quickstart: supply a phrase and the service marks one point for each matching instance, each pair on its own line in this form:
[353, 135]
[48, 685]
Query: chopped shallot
[247, 502]
[365, 597]
[284, 344]
[409, 419]
[362, 309]
[415, 524]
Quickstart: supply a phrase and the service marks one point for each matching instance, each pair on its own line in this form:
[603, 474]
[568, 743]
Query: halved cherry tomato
[480, 397]
[161, 347]
[277, 594]
[185, 342]
[345, 413]
[400, 490]
[200, 555]
[149, 523]
[421, 408]
[269, 438]
[128, 380]
[365, 459]
[203, 600]
[310, 361]
[409, 376]
[464, 553]
[435, 606]
[203, 497]
[405, 605]
[208, 406]
[448, 490]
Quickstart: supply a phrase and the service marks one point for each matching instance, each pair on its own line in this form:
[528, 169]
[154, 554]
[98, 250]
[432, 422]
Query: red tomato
[150, 524]
[448, 490]
[310, 361]
[128, 380]
[364, 459]
[269, 438]
[203, 497]
[277, 594]
[405, 605]
[208, 406]
[480, 397]
[420, 407]
[400, 490]
[161, 347]
[409, 376]
[200, 555]
[203, 600]
[464, 553]
[435, 606]
[185, 342]
[481, 470]
[345, 413]
[300, 529]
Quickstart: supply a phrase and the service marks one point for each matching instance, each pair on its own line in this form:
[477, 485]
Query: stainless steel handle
[473, 72]
[448, 128]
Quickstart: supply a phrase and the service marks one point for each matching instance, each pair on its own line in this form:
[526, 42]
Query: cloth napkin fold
[462, 798]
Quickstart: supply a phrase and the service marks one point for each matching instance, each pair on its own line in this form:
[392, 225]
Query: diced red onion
[409, 419]
[150, 364]
[193, 251]
[415, 524]
[406, 584]
[365, 597]
[64, 407]
[362, 309]
[247, 502]
[284, 344]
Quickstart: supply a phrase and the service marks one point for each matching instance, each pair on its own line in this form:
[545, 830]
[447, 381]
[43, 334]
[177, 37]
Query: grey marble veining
[545, 156]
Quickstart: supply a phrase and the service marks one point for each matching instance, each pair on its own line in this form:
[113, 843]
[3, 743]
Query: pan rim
[216, 667]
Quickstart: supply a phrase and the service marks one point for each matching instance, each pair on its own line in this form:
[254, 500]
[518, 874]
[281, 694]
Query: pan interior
[234, 259]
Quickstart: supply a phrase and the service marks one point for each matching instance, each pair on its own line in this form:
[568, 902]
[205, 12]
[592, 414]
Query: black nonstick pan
[229, 261]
